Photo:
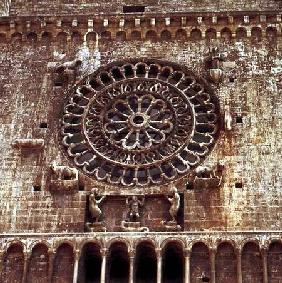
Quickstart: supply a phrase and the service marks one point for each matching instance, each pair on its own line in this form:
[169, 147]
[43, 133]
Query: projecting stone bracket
[133, 227]
[29, 143]
[208, 178]
[64, 186]
[64, 73]
[95, 227]
[214, 65]
[216, 75]
[170, 226]
[64, 179]
[227, 119]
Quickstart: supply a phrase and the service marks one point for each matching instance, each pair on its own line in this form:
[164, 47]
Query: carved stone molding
[28, 143]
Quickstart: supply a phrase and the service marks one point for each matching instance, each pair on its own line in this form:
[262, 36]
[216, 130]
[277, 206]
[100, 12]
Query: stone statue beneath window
[94, 203]
[174, 205]
[171, 224]
[134, 204]
[132, 223]
[95, 225]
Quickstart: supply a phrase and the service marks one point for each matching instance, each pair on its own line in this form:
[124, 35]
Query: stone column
[75, 269]
[131, 266]
[239, 265]
[159, 265]
[264, 264]
[103, 265]
[26, 263]
[187, 254]
[51, 258]
[212, 260]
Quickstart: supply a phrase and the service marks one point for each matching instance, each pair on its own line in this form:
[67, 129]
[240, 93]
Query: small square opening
[133, 9]
[239, 120]
[232, 79]
[238, 185]
[37, 188]
[43, 125]
[189, 186]
[81, 188]
[58, 83]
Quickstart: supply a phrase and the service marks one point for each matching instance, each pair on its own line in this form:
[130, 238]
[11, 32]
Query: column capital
[213, 250]
[51, 253]
[158, 252]
[187, 252]
[131, 253]
[76, 254]
[27, 255]
[264, 248]
[103, 252]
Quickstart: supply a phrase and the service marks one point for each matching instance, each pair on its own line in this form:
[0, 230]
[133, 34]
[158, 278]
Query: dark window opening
[189, 186]
[118, 263]
[93, 269]
[36, 188]
[205, 279]
[81, 187]
[239, 120]
[238, 185]
[173, 264]
[58, 82]
[43, 125]
[67, 177]
[92, 265]
[133, 9]
[146, 264]
[231, 79]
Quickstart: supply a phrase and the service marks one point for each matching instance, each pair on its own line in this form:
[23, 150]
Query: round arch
[200, 262]
[252, 266]
[225, 263]
[13, 263]
[38, 264]
[145, 262]
[118, 262]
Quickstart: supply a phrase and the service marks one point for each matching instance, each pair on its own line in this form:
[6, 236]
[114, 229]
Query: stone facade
[225, 57]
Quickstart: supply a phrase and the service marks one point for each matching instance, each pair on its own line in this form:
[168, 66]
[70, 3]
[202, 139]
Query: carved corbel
[213, 63]
[28, 143]
[66, 72]
[207, 177]
[64, 179]
[227, 119]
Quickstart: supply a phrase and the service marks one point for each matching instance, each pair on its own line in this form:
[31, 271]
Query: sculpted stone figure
[64, 172]
[134, 204]
[204, 172]
[175, 204]
[66, 72]
[94, 209]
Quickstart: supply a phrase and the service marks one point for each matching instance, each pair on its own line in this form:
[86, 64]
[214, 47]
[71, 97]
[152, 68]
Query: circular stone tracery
[140, 123]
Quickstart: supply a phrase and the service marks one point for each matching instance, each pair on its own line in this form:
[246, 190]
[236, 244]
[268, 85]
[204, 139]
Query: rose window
[140, 123]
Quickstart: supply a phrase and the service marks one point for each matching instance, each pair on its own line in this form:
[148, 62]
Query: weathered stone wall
[87, 7]
[250, 151]
[228, 234]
